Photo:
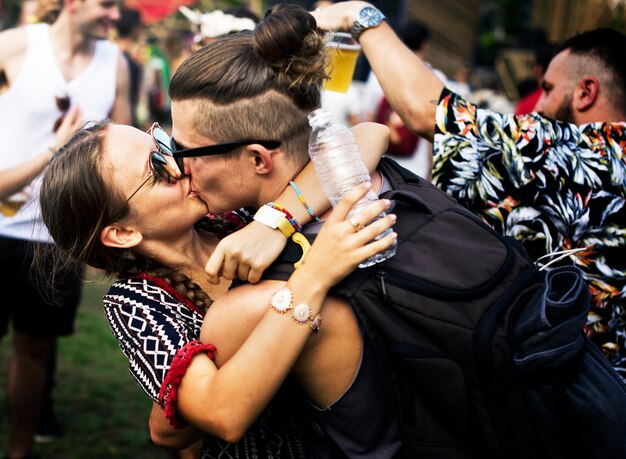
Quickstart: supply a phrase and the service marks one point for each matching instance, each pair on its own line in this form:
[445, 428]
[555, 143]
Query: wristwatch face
[370, 17]
[268, 216]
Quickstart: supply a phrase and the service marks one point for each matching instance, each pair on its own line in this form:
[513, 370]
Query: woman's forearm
[226, 402]
[164, 436]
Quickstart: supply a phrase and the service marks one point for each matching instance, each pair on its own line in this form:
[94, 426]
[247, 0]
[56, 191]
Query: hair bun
[287, 39]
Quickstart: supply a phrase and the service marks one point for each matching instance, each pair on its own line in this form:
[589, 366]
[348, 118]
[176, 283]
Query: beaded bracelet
[301, 313]
[301, 198]
[290, 217]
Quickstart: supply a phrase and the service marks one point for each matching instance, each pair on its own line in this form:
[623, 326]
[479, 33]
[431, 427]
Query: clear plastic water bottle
[339, 165]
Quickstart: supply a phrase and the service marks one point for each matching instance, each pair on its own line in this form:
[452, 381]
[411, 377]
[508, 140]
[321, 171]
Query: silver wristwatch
[368, 17]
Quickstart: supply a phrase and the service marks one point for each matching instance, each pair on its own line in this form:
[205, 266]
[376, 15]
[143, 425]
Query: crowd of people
[189, 216]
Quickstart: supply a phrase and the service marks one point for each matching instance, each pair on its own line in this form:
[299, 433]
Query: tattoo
[434, 102]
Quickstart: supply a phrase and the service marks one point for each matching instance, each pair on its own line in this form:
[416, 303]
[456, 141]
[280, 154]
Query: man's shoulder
[596, 131]
[108, 53]
[604, 136]
[14, 33]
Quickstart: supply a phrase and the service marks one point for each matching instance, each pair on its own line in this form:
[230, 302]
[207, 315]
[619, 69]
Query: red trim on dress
[169, 389]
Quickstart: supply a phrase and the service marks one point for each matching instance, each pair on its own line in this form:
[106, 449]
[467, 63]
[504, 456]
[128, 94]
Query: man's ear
[120, 237]
[262, 159]
[586, 93]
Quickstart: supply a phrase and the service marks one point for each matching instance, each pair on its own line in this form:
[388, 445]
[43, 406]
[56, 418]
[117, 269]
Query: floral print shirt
[553, 186]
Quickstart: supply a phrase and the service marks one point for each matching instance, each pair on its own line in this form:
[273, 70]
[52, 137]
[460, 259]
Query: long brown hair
[259, 84]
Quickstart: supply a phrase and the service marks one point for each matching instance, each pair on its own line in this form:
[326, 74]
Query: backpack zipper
[383, 287]
[422, 287]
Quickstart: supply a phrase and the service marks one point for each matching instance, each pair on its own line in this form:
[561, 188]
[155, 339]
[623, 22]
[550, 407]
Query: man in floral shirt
[554, 185]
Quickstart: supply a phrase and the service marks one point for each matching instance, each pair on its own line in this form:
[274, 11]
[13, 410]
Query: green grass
[102, 409]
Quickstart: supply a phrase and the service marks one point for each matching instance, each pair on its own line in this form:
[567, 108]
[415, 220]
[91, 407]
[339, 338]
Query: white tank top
[28, 111]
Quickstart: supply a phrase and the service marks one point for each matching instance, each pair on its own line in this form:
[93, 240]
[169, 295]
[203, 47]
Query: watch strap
[285, 227]
[275, 219]
[367, 18]
[356, 30]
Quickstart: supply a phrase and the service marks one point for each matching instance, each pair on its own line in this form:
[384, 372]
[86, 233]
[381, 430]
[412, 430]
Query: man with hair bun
[263, 84]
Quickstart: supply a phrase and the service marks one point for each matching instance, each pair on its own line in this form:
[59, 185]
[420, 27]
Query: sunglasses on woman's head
[63, 104]
[160, 167]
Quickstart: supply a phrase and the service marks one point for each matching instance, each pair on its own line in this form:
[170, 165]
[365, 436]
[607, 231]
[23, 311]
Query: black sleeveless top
[360, 424]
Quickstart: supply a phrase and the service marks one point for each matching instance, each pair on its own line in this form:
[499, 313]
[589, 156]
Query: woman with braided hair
[114, 200]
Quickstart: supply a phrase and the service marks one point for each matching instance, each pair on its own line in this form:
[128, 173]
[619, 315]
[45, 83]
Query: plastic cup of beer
[343, 51]
[9, 207]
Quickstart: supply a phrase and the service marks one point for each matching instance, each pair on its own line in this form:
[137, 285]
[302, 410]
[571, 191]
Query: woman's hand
[245, 254]
[343, 243]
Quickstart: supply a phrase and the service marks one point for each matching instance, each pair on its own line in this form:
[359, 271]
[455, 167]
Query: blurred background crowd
[492, 52]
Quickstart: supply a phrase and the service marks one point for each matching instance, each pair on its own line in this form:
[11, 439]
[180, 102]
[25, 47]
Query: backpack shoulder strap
[398, 175]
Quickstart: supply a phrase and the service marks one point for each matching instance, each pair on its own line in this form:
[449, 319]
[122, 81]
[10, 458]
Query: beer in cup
[11, 205]
[343, 51]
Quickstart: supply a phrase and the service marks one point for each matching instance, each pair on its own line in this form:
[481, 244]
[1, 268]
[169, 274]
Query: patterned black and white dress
[152, 322]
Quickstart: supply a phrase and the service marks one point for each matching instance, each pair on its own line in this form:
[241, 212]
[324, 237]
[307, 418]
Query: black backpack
[483, 353]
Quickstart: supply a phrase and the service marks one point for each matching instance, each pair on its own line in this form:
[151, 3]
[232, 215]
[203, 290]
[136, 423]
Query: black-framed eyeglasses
[160, 167]
[210, 150]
